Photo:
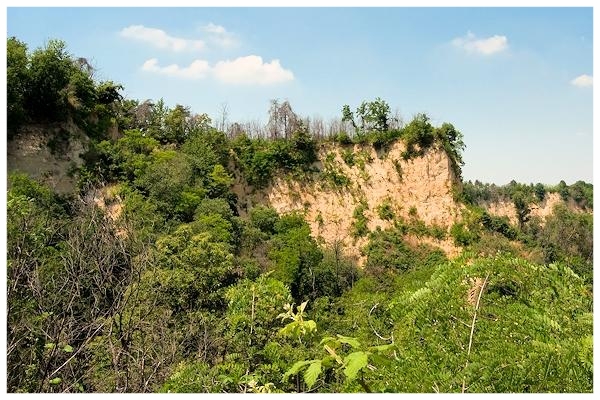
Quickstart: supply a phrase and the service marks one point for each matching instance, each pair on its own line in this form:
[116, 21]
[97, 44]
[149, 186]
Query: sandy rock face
[30, 152]
[506, 208]
[423, 184]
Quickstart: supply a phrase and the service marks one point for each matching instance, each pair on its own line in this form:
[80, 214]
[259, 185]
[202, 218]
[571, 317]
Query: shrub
[463, 236]
[359, 225]
[385, 211]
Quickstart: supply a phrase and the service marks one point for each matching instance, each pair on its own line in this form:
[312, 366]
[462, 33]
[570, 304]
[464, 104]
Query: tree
[283, 122]
[374, 116]
[540, 191]
[50, 71]
[17, 81]
[176, 125]
[418, 132]
[563, 190]
[222, 122]
[67, 274]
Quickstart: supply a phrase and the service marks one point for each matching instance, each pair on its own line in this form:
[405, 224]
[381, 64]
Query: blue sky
[517, 82]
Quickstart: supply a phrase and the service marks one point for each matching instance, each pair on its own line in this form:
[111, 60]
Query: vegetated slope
[148, 279]
[506, 208]
[357, 176]
[519, 202]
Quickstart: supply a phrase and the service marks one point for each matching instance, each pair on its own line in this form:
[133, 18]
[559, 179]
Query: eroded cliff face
[48, 153]
[423, 184]
[506, 208]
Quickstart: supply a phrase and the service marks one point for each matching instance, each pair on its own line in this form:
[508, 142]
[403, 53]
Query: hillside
[420, 187]
[149, 250]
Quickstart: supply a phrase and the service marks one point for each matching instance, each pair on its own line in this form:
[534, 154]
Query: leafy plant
[385, 211]
[359, 225]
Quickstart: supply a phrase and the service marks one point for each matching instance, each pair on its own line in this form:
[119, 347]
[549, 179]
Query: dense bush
[50, 85]
[388, 253]
[259, 159]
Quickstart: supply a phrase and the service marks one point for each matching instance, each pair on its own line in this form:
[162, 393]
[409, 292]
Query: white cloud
[583, 81]
[249, 70]
[219, 35]
[252, 70]
[198, 69]
[212, 28]
[161, 39]
[486, 46]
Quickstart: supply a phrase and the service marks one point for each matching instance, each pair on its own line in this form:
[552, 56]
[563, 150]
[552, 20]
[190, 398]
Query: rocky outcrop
[48, 153]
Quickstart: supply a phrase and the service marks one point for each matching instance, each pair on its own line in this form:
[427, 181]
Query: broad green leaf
[327, 361]
[349, 340]
[68, 349]
[302, 306]
[55, 381]
[329, 341]
[50, 346]
[295, 369]
[380, 360]
[312, 373]
[290, 329]
[310, 325]
[354, 362]
[383, 347]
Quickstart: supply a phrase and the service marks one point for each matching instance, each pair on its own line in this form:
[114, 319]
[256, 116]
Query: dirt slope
[423, 183]
[506, 208]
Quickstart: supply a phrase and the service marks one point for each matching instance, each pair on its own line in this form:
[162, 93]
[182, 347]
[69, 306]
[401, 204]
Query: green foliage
[342, 138]
[521, 205]
[50, 85]
[175, 292]
[522, 195]
[498, 224]
[332, 174]
[540, 191]
[462, 235]
[49, 74]
[205, 149]
[513, 351]
[299, 327]
[259, 159]
[385, 211]
[252, 312]
[452, 142]
[373, 116]
[412, 212]
[67, 268]
[568, 236]
[348, 157]
[195, 267]
[563, 190]
[354, 365]
[169, 182]
[388, 254]
[126, 159]
[359, 225]
[264, 218]
[583, 194]
[419, 132]
[17, 76]
[141, 214]
[297, 257]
